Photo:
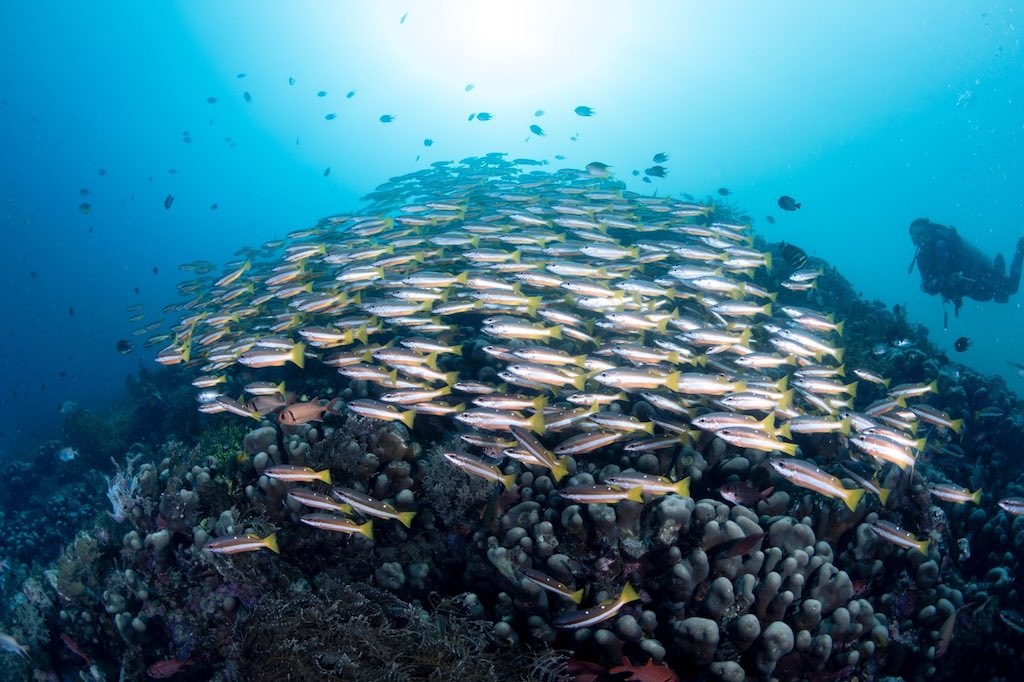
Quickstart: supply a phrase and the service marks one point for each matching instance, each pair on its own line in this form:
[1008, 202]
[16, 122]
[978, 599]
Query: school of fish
[586, 299]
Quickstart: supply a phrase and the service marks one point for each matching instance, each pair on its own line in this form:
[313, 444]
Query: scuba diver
[957, 270]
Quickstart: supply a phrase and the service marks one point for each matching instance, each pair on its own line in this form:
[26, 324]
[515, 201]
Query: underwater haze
[548, 341]
[869, 114]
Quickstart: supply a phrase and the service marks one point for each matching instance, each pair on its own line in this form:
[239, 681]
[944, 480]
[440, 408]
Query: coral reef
[492, 569]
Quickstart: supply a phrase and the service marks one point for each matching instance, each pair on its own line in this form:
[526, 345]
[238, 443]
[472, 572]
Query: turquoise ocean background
[871, 114]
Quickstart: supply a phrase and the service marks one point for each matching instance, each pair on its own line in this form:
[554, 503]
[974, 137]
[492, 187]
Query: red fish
[72, 645]
[168, 668]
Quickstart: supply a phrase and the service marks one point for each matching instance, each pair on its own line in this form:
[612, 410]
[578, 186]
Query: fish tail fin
[508, 480]
[636, 494]
[539, 403]
[844, 426]
[672, 381]
[406, 518]
[516, 256]
[407, 417]
[280, 388]
[787, 399]
[579, 382]
[682, 488]
[579, 360]
[662, 325]
[883, 494]
[838, 354]
[851, 388]
[270, 542]
[298, 355]
[839, 327]
[784, 431]
[670, 294]
[852, 498]
[922, 546]
[648, 427]
[555, 332]
[324, 476]
[444, 390]
[455, 350]
[788, 448]
[782, 384]
[956, 425]
[537, 422]
[366, 529]
[559, 469]
[920, 443]
[976, 496]
[628, 594]
[766, 309]
[768, 261]
[531, 305]
[462, 277]
[451, 377]
[577, 596]
[431, 360]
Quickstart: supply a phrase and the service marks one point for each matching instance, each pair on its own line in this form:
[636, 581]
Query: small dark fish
[247, 97]
[211, 100]
[1020, 367]
[156, 270]
[427, 142]
[84, 192]
[770, 219]
[350, 94]
[327, 171]
[584, 111]
[387, 118]
[241, 75]
[322, 93]
[213, 207]
[331, 117]
[71, 311]
[469, 86]
[537, 130]
[102, 171]
[168, 201]
[743, 493]
[737, 546]
[539, 112]
[660, 157]
[484, 116]
[33, 274]
[136, 290]
[402, 20]
[186, 139]
[656, 171]
[124, 347]
[794, 256]
[598, 169]
[788, 203]
[560, 157]
[85, 208]
[291, 81]
[724, 191]
[172, 171]
[636, 173]
[962, 344]
[646, 179]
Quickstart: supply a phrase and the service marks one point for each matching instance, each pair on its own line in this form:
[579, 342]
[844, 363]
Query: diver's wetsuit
[957, 270]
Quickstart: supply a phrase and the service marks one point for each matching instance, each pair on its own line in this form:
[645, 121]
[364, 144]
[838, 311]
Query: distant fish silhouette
[168, 201]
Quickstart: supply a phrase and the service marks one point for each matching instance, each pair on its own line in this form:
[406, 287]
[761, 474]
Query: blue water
[870, 114]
